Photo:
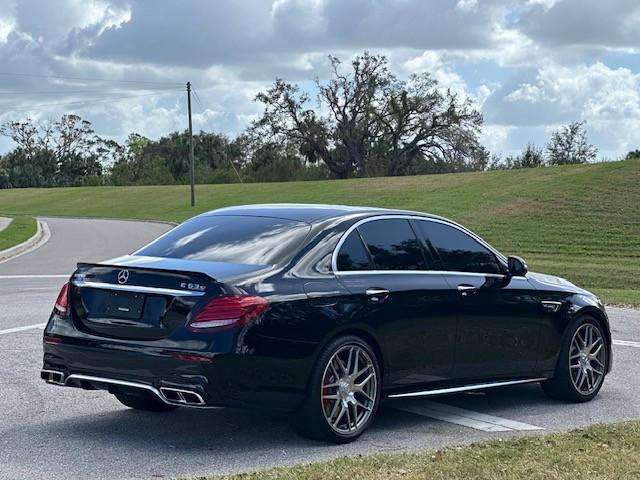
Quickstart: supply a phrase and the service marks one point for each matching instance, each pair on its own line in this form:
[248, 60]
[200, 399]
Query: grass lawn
[610, 452]
[20, 229]
[581, 222]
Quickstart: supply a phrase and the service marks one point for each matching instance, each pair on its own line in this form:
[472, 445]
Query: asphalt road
[51, 433]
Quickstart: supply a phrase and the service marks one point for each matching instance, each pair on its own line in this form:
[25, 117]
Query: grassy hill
[582, 222]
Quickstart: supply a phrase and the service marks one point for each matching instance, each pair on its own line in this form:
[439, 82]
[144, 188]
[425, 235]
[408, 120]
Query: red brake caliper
[326, 391]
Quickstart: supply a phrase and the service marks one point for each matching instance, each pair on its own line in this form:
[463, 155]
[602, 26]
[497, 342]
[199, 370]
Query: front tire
[582, 363]
[144, 401]
[344, 392]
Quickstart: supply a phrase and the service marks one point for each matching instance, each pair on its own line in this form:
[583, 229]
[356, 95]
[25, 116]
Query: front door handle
[377, 295]
[466, 290]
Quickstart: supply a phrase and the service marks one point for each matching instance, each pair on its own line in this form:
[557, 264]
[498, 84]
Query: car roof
[306, 212]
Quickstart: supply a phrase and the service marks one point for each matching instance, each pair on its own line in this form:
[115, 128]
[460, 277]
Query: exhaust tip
[182, 397]
[53, 376]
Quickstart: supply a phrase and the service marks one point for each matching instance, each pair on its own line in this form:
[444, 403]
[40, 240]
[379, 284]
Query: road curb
[41, 237]
[143, 220]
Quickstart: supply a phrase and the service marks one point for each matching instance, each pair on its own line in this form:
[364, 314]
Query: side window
[393, 245]
[353, 255]
[459, 252]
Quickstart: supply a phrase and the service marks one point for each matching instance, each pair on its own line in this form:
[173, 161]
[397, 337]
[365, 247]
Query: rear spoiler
[216, 271]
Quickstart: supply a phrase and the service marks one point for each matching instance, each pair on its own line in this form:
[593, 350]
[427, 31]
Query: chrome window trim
[136, 288]
[417, 272]
[334, 255]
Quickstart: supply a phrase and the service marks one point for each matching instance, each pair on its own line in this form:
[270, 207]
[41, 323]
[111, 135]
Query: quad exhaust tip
[170, 395]
[53, 376]
[183, 397]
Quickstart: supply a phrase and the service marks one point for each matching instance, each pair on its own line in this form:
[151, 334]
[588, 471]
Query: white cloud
[431, 62]
[607, 99]
[467, 5]
[6, 27]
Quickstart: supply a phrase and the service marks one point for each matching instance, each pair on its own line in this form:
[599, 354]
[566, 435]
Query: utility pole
[191, 160]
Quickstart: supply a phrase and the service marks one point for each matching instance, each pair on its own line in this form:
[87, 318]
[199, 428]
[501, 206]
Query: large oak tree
[369, 121]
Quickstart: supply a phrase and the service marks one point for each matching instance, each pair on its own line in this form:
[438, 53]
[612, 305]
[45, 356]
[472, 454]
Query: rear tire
[144, 401]
[579, 374]
[343, 394]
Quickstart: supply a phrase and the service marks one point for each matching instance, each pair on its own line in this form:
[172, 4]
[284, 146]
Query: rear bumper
[216, 380]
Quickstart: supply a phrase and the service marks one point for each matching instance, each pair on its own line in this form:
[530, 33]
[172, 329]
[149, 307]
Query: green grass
[581, 222]
[20, 229]
[610, 452]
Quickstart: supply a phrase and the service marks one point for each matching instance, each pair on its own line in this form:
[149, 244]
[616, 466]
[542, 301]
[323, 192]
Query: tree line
[365, 122]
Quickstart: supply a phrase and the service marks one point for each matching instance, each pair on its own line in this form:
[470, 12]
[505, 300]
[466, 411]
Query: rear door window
[393, 245]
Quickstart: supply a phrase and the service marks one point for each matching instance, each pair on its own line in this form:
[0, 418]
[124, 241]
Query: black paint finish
[433, 327]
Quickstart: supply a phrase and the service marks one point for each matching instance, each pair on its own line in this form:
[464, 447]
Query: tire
[563, 384]
[331, 378]
[144, 401]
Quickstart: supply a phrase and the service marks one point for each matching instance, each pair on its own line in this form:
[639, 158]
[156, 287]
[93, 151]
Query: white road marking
[21, 329]
[626, 343]
[13, 277]
[466, 418]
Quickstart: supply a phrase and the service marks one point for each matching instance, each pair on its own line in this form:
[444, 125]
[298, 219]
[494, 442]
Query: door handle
[466, 290]
[377, 295]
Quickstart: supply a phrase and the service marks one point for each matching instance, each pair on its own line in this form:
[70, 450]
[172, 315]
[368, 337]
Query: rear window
[235, 239]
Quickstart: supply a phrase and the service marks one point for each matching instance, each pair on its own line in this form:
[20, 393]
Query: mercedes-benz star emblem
[123, 276]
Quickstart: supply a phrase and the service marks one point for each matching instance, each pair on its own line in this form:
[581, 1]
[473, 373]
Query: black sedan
[322, 311]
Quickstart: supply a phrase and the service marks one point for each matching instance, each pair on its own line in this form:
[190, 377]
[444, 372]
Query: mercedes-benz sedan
[323, 311]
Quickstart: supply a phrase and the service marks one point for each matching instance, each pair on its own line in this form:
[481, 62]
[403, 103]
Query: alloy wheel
[349, 389]
[587, 359]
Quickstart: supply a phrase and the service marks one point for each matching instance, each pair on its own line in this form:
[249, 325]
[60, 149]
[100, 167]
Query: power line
[88, 79]
[86, 101]
[197, 97]
[76, 92]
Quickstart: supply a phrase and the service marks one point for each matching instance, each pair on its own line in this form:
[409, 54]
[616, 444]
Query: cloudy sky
[530, 65]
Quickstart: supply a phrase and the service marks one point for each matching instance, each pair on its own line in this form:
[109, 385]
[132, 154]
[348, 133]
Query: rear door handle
[466, 290]
[377, 295]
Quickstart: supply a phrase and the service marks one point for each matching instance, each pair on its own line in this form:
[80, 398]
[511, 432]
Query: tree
[532, 157]
[633, 154]
[569, 145]
[373, 119]
[420, 123]
[61, 153]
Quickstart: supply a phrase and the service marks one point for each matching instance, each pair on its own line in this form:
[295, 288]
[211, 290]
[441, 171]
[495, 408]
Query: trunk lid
[144, 298]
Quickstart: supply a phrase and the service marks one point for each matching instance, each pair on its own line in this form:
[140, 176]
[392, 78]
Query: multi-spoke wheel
[582, 363]
[587, 359]
[344, 392]
[349, 388]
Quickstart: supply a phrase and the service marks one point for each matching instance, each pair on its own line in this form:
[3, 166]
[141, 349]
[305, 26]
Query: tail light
[62, 302]
[228, 311]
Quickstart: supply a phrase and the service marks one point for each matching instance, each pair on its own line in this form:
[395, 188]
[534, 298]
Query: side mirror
[517, 267]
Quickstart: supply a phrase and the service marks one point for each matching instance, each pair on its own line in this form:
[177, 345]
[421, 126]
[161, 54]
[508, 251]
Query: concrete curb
[145, 220]
[41, 237]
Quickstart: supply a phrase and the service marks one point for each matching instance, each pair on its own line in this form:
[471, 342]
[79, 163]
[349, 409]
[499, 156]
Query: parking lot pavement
[52, 432]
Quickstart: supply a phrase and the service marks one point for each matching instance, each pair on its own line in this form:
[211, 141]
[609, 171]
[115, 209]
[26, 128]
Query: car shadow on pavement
[214, 429]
